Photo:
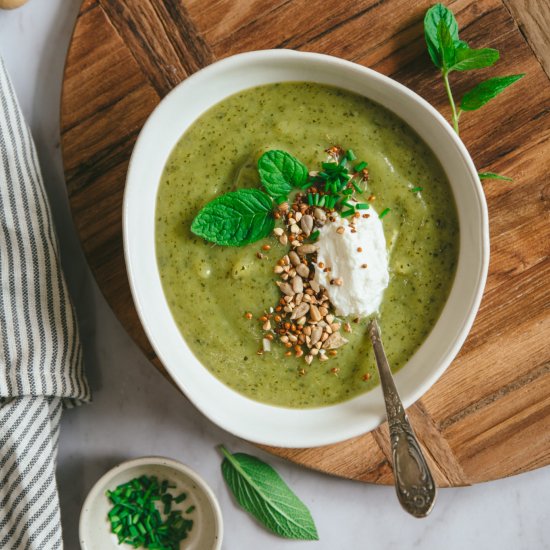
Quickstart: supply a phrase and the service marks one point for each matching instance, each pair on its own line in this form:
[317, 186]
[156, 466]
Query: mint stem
[455, 115]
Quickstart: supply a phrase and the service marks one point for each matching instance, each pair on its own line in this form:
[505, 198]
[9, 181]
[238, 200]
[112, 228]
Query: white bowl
[207, 532]
[244, 417]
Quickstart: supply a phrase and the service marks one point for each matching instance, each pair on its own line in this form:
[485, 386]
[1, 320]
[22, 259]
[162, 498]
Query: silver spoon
[414, 483]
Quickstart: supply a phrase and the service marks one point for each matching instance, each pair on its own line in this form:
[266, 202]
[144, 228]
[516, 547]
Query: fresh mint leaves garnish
[492, 176]
[235, 219]
[449, 54]
[280, 172]
[433, 17]
[468, 59]
[485, 91]
[260, 490]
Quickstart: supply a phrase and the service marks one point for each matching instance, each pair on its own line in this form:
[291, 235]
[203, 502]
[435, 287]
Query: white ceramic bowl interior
[244, 417]
[207, 532]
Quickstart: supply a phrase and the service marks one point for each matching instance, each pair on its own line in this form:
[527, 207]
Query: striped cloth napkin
[40, 356]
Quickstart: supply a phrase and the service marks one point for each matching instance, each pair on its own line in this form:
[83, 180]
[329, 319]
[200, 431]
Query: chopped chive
[321, 201]
[347, 213]
[361, 166]
[316, 199]
[384, 212]
[347, 192]
[348, 204]
[310, 199]
[314, 235]
[416, 189]
[356, 187]
[136, 521]
[190, 509]
[350, 155]
[362, 206]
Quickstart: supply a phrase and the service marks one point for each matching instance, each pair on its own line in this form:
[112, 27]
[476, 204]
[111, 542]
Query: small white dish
[207, 532]
[232, 411]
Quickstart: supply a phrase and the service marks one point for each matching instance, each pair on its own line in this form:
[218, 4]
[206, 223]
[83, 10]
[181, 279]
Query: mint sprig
[280, 172]
[449, 53]
[260, 490]
[245, 216]
[235, 219]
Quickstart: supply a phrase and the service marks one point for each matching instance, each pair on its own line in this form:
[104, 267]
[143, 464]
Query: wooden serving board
[489, 415]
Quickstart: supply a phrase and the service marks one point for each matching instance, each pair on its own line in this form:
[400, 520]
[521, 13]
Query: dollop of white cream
[346, 253]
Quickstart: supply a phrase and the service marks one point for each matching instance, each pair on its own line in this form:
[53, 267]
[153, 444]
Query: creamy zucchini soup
[287, 215]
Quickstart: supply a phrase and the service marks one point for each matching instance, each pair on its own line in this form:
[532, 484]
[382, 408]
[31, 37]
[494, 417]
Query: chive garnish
[384, 212]
[360, 166]
[347, 192]
[356, 187]
[314, 236]
[348, 204]
[416, 189]
[347, 213]
[362, 206]
[136, 521]
[350, 155]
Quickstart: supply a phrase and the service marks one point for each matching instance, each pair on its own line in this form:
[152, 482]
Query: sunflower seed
[320, 214]
[314, 285]
[286, 289]
[278, 231]
[314, 312]
[297, 284]
[334, 341]
[307, 249]
[294, 258]
[302, 270]
[307, 224]
[316, 333]
[300, 310]
[283, 239]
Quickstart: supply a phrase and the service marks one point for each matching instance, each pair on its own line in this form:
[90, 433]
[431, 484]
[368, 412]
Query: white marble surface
[136, 412]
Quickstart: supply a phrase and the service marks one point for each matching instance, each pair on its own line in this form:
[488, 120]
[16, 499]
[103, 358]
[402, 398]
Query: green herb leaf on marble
[260, 490]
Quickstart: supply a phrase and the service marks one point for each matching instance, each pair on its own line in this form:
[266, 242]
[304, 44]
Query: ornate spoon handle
[414, 484]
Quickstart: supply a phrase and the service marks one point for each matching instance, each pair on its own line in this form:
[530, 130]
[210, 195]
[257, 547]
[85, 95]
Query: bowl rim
[274, 438]
[153, 460]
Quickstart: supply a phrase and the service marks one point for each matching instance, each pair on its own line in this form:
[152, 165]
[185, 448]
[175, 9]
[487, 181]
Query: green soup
[209, 288]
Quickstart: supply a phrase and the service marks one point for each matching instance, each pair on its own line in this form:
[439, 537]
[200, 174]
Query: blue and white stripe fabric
[40, 356]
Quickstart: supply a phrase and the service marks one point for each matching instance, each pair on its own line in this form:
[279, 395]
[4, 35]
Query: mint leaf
[433, 17]
[260, 490]
[467, 59]
[492, 176]
[236, 218]
[447, 49]
[280, 172]
[485, 91]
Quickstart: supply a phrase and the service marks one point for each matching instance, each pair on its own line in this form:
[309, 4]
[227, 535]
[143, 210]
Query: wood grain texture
[489, 415]
[532, 17]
